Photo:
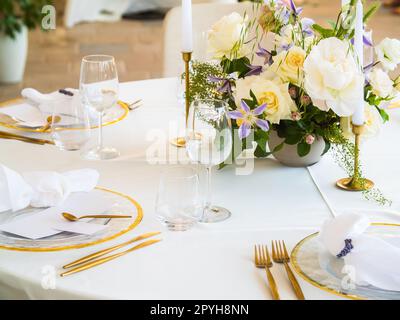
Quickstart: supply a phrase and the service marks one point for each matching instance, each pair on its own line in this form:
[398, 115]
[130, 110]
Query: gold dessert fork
[263, 260]
[280, 255]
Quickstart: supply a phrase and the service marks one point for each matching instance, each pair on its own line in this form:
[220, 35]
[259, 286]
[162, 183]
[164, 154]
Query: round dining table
[268, 201]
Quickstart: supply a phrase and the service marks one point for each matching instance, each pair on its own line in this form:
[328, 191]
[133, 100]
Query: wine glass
[209, 142]
[70, 124]
[99, 91]
[178, 203]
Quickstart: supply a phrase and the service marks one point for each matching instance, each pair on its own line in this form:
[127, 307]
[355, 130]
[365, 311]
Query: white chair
[204, 16]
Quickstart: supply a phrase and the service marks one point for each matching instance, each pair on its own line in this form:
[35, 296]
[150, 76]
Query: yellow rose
[270, 91]
[288, 65]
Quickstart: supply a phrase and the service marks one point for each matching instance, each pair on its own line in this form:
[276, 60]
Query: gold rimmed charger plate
[306, 257]
[83, 240]
[124, 106]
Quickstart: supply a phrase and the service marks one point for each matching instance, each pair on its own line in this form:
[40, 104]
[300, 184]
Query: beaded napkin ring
[347, 248]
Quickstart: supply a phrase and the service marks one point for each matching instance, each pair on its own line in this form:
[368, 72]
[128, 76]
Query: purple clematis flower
[286, 47]
[254, 70]
[306, 24]
[264, 53]
[225, 87]
[295, 10]
[366, 40]
[248, 118]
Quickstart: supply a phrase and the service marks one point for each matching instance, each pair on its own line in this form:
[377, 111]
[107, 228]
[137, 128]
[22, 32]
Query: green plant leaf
[327, 146]
[260, 153]
[303, 149]
[324, 32]
[383, 114]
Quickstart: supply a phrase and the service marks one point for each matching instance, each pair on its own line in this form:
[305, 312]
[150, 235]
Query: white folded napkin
[45, 102]
[42, 189]
[374, 261]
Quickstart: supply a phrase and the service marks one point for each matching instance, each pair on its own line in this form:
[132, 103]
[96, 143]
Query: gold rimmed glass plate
[316, 266]
[113, 115]
[66, 240]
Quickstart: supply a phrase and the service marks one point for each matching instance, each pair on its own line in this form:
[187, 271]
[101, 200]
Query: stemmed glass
[99, 91]
[209, 142]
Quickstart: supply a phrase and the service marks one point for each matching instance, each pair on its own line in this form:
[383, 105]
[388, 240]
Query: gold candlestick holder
[356, 182]
[180, 142]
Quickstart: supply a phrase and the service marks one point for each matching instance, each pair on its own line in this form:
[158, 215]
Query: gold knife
[108, 250]
[106, 259]
[12, 136]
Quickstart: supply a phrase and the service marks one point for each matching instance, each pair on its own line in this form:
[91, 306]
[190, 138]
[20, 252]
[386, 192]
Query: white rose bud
[382, 85]
[310, 139]
[388, 53]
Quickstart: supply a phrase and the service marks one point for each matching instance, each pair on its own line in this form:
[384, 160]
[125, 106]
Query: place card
[29, 115]
[49, 222]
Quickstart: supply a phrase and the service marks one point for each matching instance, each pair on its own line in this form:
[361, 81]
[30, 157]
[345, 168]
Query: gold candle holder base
[351, 184]
[179, 142]
[356, 183]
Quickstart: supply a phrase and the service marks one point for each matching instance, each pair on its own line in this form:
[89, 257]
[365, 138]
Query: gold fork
[263, 260]
[280, 255]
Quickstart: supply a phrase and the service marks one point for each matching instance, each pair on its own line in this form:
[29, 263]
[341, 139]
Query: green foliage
[236, 65]
[200, 87]
[374, 7]
[16, 13]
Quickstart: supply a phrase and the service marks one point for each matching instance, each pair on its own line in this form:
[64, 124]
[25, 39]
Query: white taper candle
[359, 115]
[187, 26]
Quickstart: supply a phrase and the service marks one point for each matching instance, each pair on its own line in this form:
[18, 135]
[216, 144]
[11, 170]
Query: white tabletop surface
[208, 262]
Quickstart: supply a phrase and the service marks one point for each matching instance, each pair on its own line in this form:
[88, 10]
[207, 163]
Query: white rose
[270, 91]
[388, 53]
[224, 38]
[288, 65]
[381, 84]
[373, 123]
[332, 77]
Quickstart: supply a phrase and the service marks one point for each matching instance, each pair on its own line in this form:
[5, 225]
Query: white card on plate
[49, 222]
[29, 115]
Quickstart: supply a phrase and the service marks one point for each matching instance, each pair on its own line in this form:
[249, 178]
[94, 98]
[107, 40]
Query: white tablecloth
[208, 262]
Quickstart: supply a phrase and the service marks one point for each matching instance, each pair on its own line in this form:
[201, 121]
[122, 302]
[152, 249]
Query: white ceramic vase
[13, 54]
[288, 154]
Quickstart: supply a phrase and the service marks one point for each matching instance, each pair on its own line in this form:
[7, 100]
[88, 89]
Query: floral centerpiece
[293, 81]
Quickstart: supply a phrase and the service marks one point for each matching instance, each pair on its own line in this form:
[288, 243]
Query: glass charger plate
[113, 115]
[68, 240]
[321, 269]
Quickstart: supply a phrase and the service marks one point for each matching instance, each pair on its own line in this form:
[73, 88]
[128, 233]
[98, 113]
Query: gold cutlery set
[262, 259]
[91, 260]
[13, 136]
[4, 118]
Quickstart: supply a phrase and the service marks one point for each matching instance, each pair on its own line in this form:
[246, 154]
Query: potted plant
[16, 17]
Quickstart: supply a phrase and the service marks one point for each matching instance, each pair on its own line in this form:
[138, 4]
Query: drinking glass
[70, 125]
[99, 91]
[178, 203]
[209, 142]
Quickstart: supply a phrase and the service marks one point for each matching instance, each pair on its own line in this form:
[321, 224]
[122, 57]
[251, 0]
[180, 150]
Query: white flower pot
[288, 154]
[13, 54]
